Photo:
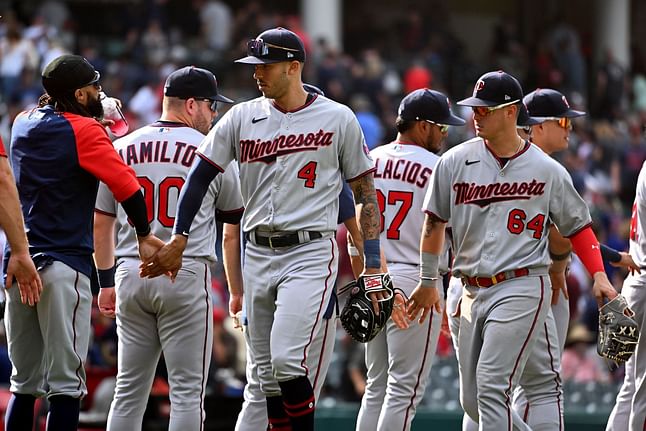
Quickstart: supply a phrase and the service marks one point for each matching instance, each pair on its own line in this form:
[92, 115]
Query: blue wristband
[372, 253]
[106, 277]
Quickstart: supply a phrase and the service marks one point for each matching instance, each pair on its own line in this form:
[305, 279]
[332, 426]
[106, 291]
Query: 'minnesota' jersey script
[500, 212]
[289, 161]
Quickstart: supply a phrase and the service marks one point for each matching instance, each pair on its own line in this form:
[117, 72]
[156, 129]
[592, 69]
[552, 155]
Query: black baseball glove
[618, 331]
[358, 317]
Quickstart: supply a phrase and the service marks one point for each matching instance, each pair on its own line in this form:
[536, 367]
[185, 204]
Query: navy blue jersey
[58, 160]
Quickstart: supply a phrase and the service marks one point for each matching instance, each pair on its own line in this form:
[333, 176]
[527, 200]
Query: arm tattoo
[365, 196]
[431, 222]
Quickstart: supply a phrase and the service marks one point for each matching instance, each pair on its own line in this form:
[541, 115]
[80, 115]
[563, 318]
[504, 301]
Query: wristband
[106, 276]
[610, 254]
[372, 253]
[429, 269]
[352, 250]
[561, 256]
[142, 234]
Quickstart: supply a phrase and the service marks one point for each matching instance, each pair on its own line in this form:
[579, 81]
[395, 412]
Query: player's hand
[148, 246]
[21, 268]
[423, 299]
[399, 312]
[168, 260]
[602, 288]
[627, 262]
[107, 302]
[235, 309]
[558, 285]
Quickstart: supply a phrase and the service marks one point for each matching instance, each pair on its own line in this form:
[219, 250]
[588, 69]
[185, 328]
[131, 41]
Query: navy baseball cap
[493, 89]
[524, 119]
[548, 103]
[67, 73]
[191, 81]
[273, 46]
[426, 104]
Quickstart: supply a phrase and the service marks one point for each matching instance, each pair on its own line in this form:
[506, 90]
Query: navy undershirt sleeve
[192, 194]
[346, 204]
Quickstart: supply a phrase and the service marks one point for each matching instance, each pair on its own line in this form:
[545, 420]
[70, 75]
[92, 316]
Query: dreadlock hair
[63, 103]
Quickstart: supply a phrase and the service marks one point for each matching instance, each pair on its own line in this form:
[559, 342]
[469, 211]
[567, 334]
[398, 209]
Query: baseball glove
[618, 331]
[358, 317]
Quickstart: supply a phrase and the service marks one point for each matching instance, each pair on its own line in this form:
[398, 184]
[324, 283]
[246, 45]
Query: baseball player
[59, 153]
[253, 415]
[20, 268]
[629, 412]
[500, 193]
[399, 360]
[293, 149]
[155, 316]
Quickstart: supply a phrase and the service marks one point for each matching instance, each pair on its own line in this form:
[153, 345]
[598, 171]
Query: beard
[95, 108]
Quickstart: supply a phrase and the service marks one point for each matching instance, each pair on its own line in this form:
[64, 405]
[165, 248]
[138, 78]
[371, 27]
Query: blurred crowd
[151, 38]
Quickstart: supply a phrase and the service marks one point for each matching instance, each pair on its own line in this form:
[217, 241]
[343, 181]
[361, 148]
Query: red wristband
[586, 246]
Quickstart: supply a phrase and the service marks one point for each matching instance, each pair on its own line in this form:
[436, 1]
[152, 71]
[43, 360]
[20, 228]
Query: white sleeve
[105, 201]
[218, 146]
[354, 156]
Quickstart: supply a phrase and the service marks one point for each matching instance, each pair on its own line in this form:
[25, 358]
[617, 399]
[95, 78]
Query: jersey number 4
[168, 184]
[516, 223]
[394, 197]
[308, 173]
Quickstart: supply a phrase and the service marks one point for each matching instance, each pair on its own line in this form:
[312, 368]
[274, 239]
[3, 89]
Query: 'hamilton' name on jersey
[403, 170]
[257, 150]
[485, 194]
[158, 152]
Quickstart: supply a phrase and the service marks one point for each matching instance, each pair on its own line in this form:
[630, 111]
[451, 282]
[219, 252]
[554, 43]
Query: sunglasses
[443, 127]
[483, 111]
[563, 122]
[213, 104]
[94, 82]
[260, 48]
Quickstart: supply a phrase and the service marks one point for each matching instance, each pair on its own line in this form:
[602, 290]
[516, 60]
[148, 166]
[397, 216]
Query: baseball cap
[493, 89]
[524, 119]
[426, 104]
[548, 103]
[273, 46]
[191, 81]
[67, 73]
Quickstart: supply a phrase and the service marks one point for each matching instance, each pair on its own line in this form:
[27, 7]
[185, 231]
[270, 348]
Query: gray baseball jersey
[629, 412]
[399, 361]
[499, 215]
[155, 315]
[289, 161]
[499, 212]
[162, 154]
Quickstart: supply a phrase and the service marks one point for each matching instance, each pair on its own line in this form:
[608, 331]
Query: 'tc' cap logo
[480, 85]
[565, 101]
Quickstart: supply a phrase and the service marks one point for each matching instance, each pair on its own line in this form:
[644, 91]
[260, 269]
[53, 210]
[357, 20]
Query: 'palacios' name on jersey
[403, 170]
[158, 152]
[257, 150]
[485, 194]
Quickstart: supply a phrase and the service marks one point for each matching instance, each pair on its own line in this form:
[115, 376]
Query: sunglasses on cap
[563, 122]
[443, 127]
[483, 111]
[94, 82]
[260, 48]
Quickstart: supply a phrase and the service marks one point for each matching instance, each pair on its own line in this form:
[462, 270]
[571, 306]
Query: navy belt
[282, 239]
